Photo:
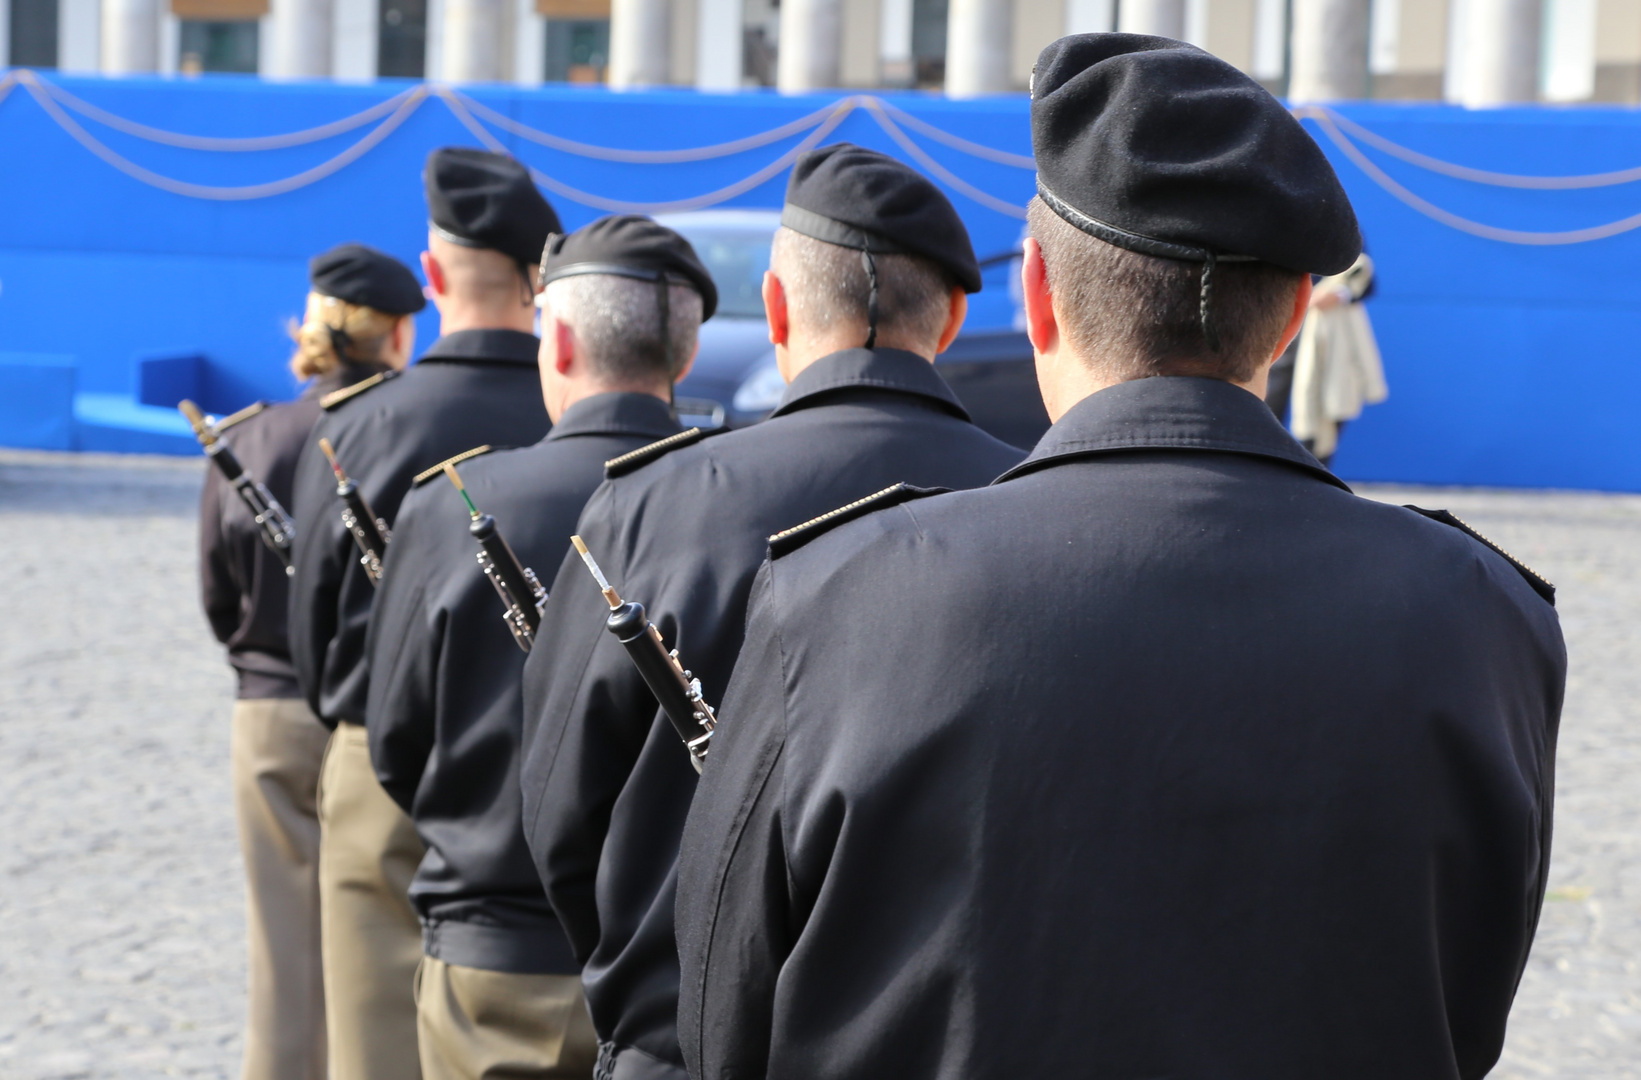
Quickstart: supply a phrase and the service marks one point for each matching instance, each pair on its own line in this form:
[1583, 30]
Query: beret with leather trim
[356, 274]
[1160, 147]
[857, 198]
[629, 245]
[484, 200]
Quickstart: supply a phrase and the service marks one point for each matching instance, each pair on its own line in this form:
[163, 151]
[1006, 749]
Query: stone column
[896, 65]
[302, 35]
[1493, 55]
[475, 31]
[1161, 18]
[718, 45]
[131, 36]
[1330, 50]
[640, 43]
[808, 49]
[979, 36]
[1090, 16]
[354, 25]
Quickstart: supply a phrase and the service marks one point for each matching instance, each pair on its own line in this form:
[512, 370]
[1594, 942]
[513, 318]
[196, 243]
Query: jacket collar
[486, 346]
[1169, 413]
[868, 369]
[617, 413]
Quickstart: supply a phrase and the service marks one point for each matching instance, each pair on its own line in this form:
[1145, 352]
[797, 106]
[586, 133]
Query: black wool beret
[857, 198]
[356, 274]
[484, 200]
[631, 246]
[1159, 147]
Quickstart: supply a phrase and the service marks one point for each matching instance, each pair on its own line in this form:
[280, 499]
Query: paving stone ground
[121, 932]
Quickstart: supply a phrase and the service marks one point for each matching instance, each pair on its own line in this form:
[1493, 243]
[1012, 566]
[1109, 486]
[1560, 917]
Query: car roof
[748, 220]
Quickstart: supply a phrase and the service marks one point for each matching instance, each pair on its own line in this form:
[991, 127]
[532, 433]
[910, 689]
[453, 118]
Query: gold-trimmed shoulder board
[438, 470]
[792, 539]
[633, 460]
[239, 417]
[348, 393]
[1540, 586]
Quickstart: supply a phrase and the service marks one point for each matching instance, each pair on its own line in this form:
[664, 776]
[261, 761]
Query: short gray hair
[617, 324]
[826, 285]
[1134, 316]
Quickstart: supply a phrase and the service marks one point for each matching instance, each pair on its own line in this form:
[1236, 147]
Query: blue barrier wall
[1508, 364]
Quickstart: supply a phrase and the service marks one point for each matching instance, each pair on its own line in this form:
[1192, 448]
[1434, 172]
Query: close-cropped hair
[334, 332]
[1133, 316]
[826, 286]
[617, 325]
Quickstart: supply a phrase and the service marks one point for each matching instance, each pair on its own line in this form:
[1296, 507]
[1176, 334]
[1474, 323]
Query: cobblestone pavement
[121, 933]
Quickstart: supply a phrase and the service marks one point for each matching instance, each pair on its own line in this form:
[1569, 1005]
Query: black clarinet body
[370, 532]
[278, 530]
[520, 590]
[675, 688]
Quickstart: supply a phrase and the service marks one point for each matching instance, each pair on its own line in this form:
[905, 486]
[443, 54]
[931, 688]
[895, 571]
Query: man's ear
[1041, 326]
[957, 310]
[775, 315]
[1296, 317]
[564, 357]
[435, 275]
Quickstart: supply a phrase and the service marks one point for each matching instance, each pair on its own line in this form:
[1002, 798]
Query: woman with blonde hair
[358, 324]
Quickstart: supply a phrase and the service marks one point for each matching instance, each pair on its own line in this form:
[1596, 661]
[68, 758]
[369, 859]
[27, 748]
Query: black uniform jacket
[1165, 756]
[243, 584]
[444, 708]
[606, 780]
[470, 388]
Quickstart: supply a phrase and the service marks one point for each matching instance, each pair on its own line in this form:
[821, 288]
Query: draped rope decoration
[390, 114]
[1330, 123]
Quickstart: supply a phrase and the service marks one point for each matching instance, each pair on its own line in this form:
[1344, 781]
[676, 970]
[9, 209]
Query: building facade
[1477, 52]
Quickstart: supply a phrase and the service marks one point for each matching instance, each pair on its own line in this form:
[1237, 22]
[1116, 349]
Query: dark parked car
[735, 380]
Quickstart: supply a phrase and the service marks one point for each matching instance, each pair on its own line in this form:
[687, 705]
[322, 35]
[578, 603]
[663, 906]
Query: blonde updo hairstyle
[335, 332]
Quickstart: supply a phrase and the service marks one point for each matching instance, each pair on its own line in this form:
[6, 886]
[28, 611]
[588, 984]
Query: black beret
[484, 200]
[356, 274]
[1159, 147]
[632, 246]
[857, 198]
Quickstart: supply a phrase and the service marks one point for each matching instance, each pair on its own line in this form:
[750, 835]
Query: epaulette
[792, 539]
[466, 455]
[242, 415]
[1540, 586]
[348, 393]
[634, 459]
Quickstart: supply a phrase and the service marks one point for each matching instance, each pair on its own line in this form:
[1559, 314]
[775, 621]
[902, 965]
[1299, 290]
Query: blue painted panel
[37, 401]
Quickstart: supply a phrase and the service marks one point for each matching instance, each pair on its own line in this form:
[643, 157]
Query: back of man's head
[617, 326]
[827, 291]
[480, 277]
[1132, 316]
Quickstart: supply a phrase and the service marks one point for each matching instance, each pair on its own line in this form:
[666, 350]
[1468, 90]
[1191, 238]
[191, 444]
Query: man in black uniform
[476, 384]
[499, 992]
[1165, 755]
[277, 743]
[683, 526]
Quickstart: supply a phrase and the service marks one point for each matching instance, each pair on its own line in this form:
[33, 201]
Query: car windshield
[737, 259]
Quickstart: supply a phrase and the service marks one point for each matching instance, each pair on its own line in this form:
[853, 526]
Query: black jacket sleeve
[404, 643]
[587, 714]
[735, 919]
[221, 591]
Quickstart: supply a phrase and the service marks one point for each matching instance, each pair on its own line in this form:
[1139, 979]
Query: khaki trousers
[368, 851]
[275, 751]
[493, 1025]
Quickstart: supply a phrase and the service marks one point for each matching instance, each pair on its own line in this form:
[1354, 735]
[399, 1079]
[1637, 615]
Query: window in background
[33, 26]
[929, 43]
[578, 40]
[401, 39]
[217, 45]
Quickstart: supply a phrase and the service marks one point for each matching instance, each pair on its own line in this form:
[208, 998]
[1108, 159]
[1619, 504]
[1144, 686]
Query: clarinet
[522, 597]
[369, 531]
[278, 530]
[678, 691]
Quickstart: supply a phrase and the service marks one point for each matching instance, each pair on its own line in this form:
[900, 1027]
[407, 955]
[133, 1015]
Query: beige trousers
[276, 748]
[493, 1025]
[368, 851]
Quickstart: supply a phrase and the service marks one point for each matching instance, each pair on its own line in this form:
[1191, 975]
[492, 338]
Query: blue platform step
[119, 424]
